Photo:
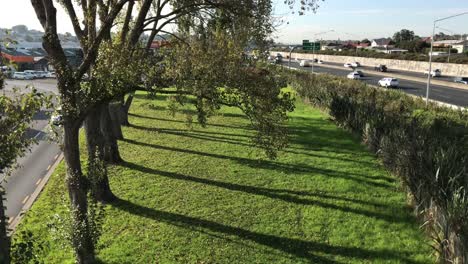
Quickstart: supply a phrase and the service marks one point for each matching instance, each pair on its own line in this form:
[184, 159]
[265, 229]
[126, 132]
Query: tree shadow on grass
[284, 195]
[184, 122]
[277, 166]
[306, 250]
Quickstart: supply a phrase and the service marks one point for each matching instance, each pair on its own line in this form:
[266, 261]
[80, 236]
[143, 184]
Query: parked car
[380, 68]
[35, 74]
[305, 63]
[434, 73]
[51, 74]
[355, 64]
[57, 119]
[41, 74]
[22, 76]
[348, 65]
[463, 80]
[354, 76]
[389, 82]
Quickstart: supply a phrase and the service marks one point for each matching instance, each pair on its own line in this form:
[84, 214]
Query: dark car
[278, 58]
[463, 80]
[361, 74]
[381, 68]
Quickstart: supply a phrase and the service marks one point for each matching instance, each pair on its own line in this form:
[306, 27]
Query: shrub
[426, 146]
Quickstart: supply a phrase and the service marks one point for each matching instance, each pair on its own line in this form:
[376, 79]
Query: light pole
[450, 46]
[430, 53]
[290, 52]
[313, 47]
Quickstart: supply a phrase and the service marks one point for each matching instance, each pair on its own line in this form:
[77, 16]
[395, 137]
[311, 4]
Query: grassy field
[205, 195]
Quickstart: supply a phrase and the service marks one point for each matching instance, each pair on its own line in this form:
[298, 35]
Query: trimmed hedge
[427, 147]
[454, 58]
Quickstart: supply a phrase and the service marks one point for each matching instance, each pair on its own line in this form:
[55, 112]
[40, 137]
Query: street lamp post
[430, 54]
[313, 47]
[290, 52]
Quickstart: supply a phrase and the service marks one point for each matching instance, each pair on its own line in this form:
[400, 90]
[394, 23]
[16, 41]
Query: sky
[348, 19]
[359, 19]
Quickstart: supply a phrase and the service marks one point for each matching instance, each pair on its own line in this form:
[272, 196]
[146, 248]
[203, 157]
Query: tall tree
[403, 35]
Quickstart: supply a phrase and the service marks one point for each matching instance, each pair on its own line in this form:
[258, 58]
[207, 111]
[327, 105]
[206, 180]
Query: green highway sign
[306, 45]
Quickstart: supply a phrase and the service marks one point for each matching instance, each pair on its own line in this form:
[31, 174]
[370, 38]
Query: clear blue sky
[360, 19]
[351, 19]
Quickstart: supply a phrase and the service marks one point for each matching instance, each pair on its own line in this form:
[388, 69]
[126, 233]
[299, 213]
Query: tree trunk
[111, 147]
[77, 190]
[128, 104]
[97, 170]
[4, 239]
[114, 109]
[122, 112]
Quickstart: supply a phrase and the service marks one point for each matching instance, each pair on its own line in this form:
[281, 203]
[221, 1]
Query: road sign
[306, 45]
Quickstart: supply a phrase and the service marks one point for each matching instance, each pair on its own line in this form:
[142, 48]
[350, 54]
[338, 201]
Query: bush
[427, 147]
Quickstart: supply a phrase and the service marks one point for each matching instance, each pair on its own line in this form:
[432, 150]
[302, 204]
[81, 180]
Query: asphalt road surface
[24, 180]
[439, 93]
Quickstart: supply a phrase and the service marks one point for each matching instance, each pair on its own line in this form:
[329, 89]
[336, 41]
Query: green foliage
[427, 147]
[214, 70]
[206, 195]
[16, 112]
[27, 248]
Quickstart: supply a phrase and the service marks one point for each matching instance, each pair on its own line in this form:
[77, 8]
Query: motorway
[441, 93]
[35, 164]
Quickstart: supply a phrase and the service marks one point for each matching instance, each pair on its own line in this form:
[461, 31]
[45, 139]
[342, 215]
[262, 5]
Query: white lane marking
[25, 199]
[38, 181]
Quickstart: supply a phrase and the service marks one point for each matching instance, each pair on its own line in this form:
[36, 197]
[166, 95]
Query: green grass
[205, 195]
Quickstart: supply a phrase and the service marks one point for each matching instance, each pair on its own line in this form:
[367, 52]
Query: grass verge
[205, 195]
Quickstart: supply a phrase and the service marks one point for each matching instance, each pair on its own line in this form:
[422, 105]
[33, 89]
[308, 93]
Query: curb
[34, 195]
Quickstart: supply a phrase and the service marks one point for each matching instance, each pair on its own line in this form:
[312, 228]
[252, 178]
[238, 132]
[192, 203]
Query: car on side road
[380, 68]
[355, 64]
[22, 76]
[434, 73]
[320, 61]
[348, 65]
[463, 80]
[389, 82]
[353, 76]
[305, 63]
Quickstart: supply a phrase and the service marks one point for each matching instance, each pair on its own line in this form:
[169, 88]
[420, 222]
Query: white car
[355, 64]
[389, 82]
[320, 61]
[51, 75]
[354, 76]
[434, 73]
[348, 65]
[305, 63]
[35, 74]
[22, 76]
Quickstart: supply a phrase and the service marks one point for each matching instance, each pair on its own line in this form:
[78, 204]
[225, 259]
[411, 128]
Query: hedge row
[454, 58]
[426, 146]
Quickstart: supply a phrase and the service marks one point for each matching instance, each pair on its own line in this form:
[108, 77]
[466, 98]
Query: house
[426, 39]
[382, 43]
[460, 45]
[37, 59]
[332, 46]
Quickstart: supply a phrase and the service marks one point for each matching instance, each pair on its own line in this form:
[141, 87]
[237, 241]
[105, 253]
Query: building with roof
[382, 43]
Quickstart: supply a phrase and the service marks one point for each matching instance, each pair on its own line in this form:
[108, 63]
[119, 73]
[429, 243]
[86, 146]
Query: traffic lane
[23, 181]
[445, 78]
[444, 94]
[42, 85]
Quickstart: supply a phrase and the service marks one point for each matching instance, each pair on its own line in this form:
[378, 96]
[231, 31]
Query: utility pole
[430, 54]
